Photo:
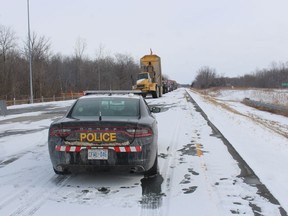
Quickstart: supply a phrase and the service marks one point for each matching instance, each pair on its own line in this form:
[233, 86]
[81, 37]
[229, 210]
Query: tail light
[60, 132]
[140, 132]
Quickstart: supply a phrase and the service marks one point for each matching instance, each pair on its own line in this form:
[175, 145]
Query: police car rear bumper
[132, 158]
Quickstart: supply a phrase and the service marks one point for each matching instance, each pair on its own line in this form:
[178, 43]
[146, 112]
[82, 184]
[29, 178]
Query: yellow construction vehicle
[149, 80]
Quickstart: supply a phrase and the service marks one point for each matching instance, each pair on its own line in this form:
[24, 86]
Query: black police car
[105, 130]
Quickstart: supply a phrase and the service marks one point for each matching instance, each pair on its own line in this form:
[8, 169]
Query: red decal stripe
[116, 148]
[138, 148]
[67, 148]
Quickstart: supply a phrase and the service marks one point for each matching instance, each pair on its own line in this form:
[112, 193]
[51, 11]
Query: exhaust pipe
[137, 169]
[133, 170]
[60, 168]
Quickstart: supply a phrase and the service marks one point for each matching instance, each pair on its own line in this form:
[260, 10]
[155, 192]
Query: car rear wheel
[64, 172]
[155, 94]
[153, 170]
[160, 91]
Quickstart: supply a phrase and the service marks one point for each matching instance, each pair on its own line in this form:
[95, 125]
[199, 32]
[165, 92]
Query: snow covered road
[198, 174]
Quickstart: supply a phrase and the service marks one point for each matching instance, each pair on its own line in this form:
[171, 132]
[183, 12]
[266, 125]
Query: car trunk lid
[100, 133]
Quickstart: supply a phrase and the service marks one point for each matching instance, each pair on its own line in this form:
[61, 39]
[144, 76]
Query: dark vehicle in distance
[105, 130]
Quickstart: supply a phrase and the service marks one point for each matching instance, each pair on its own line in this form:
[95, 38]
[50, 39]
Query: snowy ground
[261, 138]
[198, 175]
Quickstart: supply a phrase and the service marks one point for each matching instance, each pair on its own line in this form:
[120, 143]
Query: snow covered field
[261, 138]
[198, 175]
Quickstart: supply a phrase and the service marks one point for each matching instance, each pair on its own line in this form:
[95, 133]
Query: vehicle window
[106, 107]
[143, 76]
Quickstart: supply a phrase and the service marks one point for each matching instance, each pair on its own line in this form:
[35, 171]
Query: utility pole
[30, 56]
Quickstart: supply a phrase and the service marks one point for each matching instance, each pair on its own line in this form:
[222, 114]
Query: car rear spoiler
[112, 92]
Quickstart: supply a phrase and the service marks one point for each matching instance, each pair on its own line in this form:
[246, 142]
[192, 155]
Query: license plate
[97, 154]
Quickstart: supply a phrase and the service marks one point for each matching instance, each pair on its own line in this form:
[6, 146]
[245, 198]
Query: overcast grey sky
[233, 36]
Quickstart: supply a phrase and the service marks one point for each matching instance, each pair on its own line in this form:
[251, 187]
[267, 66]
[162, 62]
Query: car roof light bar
[110, 92]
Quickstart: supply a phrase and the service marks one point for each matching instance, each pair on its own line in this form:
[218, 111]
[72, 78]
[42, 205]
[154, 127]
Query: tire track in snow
[166, 171]
[40, 196]
[9, 198]
[30, 186]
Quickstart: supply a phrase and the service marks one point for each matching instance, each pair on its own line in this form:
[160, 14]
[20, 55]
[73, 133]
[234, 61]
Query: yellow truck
[149, 80]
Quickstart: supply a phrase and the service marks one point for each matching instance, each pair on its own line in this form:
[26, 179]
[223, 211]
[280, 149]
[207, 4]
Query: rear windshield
[106, 107]
[143, 76]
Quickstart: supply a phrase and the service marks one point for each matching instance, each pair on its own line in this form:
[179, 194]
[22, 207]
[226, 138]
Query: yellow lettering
[82, 137]
[113, 137]
[90, 137]
[106, 137]
[96, 138]
[100, 137]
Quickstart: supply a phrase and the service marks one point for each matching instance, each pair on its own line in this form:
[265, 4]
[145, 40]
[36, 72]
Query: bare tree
[99, 67]
[40, 50]
[7, 41]
[40, 47]
[7, 45]
[127, 71]
[56, 74]
[276, 76]
[80, 47]
[206, 77]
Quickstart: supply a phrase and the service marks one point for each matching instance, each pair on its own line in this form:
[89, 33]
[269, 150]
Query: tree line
[274, 77]
[54, 74]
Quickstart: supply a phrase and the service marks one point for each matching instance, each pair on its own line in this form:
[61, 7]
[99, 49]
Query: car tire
[153, 170]
[160, 89]
[155, 94]
[65, 172]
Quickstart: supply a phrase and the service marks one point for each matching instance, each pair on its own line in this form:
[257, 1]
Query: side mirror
[155, 109]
